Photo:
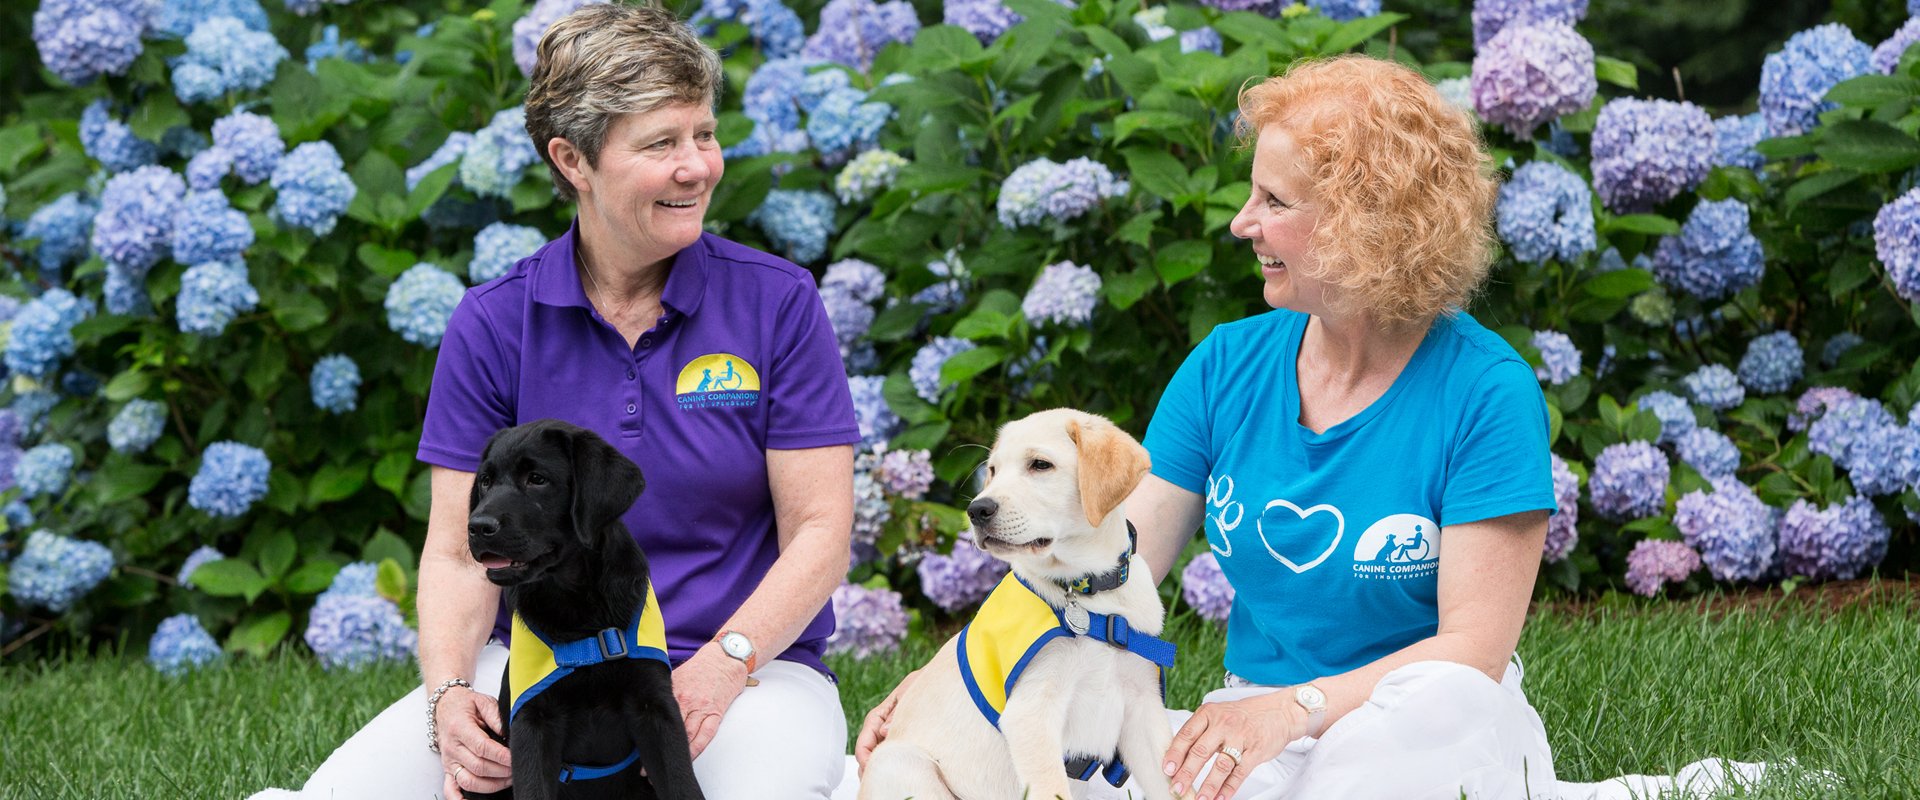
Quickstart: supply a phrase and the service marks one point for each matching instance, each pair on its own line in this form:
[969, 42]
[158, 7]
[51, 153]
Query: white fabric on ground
[783, 738]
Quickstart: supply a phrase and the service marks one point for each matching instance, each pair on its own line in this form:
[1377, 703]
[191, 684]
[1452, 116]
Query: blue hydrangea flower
[307, 7]
[1064, 294]
[54, 571]
[1793, 81]
[200, 557]
[776, 29]
[1527, 75]
[1562, 534]
[80, 40]
[852, 32]
[43, 470]
[797, 222]
[1837, 543]
[19, 517]
[135, 224]
[1896, 239]
[1709, 452]
[1885, 462]
[137, 426]
[1773, 363]
[62, 227]
[79, 384]
[111, 142]
[420, 303]
[860, 280]
[449, 152]
[1629, 480]
[1734, 532]
[357, 579]
[1734, 138]
[844, 121]
[206, 169]
[43, 332]
[820, 83]
[1559, 359]
[1645, 152]
[947, 295]
[1207, 39]
[527, 30]
[1458, 92]
[498, 247]
[773, 91]
[1205, 587]
[354, 631]
[1345, 10]
[956, 581]
[207, 228]
[1716, 253]
[1837, 347]
[224, 55]
[211, 295]
[985, 19]
[1040, 189]
[877, 421]
[252, 142]
[1846, 422]
[1490, 16]
[331, 46]
[1815, 402]
[870, 509]
[1271, 8]
[1655, 563]
[849, 316]
[181, 645]
[335, 384]
[312, 187]
[925, 370]
[1546, 212]
[499, 154]
[1715, 387]
[866, 621]
[1153, 20]
[177, 18]
[31, 408]
[231, 477]
[1886, 56]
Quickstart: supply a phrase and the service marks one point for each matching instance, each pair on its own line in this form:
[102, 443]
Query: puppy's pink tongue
[495, 562]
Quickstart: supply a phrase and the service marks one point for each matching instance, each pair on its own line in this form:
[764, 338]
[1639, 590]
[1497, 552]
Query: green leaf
[1178, 261]
[1788, 146]
[735, 198]
[419, 498]
[1139, 230]
[930, 178]
[278, 553]
[391, 472]
[959, 463]
[925, 436]
[534, 191]
[124, 479]
[1573, 394]
[1157, 171]
[312, 577]
[897, 322]
[391, 581]
[1108, 42]
[430, 188]
[1359, 30]
[269, 362]
[256, 637]
[1873, 91]
[230, 577]
[963, 366]
[128, 385]
[1652, 224]
[384, 545]
[1644, 426]
[983, 324]
[1610, 413]
[19, 143]
[1819, 184]
[1127, 124]
[1851, 272]
[1123, 289]
[335, 482]
[905, 402]
[1619, 283]
[938, 48]
[1868, 147]
[299, 311]
[158, 113]
[283, 491]
[1617, 72]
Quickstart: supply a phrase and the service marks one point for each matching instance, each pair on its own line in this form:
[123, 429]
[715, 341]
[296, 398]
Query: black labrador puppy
[544, 519]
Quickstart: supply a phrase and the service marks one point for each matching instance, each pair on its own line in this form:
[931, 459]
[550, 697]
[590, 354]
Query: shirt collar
[557, 282]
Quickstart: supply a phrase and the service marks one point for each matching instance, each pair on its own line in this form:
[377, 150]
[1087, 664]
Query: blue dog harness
[535, 663]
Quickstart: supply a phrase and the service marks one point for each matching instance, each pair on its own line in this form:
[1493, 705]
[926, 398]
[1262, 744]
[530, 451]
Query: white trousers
[784, 738]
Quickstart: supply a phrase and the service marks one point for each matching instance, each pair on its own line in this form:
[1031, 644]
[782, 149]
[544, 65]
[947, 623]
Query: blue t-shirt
[1332, 540]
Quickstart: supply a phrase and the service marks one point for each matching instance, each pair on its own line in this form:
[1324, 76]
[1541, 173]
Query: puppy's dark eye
[989, 472]
[486, 481]
[535, 479]
[1040, 466]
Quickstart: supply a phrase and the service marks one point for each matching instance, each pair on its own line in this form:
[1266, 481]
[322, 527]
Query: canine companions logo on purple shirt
[718, 380]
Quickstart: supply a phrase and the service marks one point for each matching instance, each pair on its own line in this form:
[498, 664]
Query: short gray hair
[606, 60]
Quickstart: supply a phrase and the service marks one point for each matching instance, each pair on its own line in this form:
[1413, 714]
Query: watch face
[736, 645]
[1311, 696]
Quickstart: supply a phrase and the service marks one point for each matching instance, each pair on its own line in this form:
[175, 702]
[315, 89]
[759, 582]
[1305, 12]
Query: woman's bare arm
[1166, 517]
[456, 604]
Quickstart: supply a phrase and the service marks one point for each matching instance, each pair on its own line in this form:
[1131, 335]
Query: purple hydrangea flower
[43, 332]
[63, 227]
[1837, 543]
[1629, 480]
[1886, 57]
[1064, 294]
[449, 152]
[1562, 534]
[860, 280]
[498, 155]
[1345, 10]
[1676, 415]
[1655, 563]
[312, 187]
[1715, 255]
[1817, 401]
[869, 173]
[1530, 74]
[53, 572]
[43, 470]
[871, 510]
[1715, 387]
[925, 370]
[498, 247]
[852, 32]
[180, 645]
[1206, 588]
[1773, 363]
[224, 55]
[1490, 16]
[1207, 39]
[1896, 239]
[527, 30]
[1560, 360]
[420, 303]
[207, 228]
[135, 223]
[1645, 152]
[1734, 532]
[1546, 212]
[200, 557]
[335, 384]
[1734, 138]
[907, 473]
[866, 621]
[111, 142]
[231, 477]
[211, 295]
[80, 40]
[252, 141]
[1793, 81]
[353, 631]
[1837, 346]
[956, 581]
[877, 421]
[1041, 188]
[849, 316]
[1709, 452]
[985, 19]
[1847, 421]
[797, 222]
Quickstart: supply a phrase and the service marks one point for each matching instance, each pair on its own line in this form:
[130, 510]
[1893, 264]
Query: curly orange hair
[1402, 177]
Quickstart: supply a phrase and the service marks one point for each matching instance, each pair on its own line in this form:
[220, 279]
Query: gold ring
[1231, 751]
[456, 772]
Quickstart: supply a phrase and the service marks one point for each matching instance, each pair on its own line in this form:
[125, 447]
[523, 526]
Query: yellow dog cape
[535, 663]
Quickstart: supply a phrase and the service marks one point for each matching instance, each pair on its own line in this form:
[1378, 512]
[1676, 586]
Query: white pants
[1431, 731]
[784, 738]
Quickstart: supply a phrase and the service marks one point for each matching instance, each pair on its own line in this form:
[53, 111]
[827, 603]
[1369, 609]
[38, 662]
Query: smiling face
[1278, 220]
[647, 192]
[1053, 479]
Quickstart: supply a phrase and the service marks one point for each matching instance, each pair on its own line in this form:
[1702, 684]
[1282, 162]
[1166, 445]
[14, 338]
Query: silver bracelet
[433, 725]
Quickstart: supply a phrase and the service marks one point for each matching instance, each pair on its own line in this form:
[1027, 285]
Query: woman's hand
[473, 761]
[874, 730]
[705, 686]
[1260, 726]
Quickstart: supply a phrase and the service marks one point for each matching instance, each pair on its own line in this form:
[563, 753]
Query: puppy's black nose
[482, 526]
[981, 510]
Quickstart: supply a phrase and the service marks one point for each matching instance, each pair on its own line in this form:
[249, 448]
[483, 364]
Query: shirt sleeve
[1499, 464]
[467, 403]
[808, 402]
[1180, 435]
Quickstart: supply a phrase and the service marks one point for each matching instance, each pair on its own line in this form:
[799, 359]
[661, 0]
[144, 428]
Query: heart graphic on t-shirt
[1299, 526]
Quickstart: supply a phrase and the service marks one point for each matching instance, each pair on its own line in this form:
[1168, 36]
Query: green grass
[1622, 690]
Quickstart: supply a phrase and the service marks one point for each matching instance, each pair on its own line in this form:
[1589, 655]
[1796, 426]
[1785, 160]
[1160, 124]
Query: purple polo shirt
[743, 361]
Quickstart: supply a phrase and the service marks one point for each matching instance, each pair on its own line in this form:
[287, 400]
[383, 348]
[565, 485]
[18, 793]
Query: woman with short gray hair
[709, 364]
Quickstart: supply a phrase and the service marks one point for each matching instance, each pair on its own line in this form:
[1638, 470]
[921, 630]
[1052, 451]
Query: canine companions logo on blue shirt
[718, 380]
[1400, 546]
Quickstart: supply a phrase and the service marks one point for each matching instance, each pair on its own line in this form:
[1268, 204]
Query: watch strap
[1316, 714]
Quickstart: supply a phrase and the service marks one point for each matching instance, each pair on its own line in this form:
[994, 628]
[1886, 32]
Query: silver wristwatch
[1315, 702]
[737, 645]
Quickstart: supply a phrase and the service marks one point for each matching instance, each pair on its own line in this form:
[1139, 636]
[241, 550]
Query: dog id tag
[1077, 619]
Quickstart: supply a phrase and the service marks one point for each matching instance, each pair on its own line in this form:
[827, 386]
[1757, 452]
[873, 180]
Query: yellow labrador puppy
[1058, 679]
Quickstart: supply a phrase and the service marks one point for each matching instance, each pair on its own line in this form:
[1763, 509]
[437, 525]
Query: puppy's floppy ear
[1111, 464]
[605, 484]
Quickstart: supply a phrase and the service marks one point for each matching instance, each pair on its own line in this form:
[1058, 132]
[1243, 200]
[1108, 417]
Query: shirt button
[630, 408]
[629, 374]
[646, 342]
